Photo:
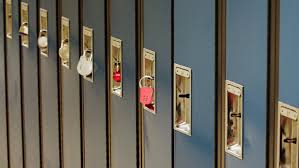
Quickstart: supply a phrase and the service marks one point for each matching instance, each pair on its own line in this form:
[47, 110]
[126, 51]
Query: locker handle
[64, 51]
[236, 115]
[290, 140]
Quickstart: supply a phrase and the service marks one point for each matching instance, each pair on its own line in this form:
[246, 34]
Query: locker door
[49, 96]
[194, 83]
[288, 82]
[13, 63]
[123, 111]
[70, 86]
[157, 124]
[3, 112]
[30, 95]
[94, 87]
[246, 93]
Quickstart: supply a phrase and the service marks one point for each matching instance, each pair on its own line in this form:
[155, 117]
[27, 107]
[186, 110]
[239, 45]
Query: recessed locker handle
[290, 140]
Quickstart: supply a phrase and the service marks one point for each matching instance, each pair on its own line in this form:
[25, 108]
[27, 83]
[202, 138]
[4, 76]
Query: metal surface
[70, 91]
[156, 29]
[49, 91]
[94, 94]
[87, 47]
[247, 64]
[8, 18]
[194, 47]
[64, 50]
[123, 110]
[43, 32]
[116, 66]
[182, 102]
[24, 27]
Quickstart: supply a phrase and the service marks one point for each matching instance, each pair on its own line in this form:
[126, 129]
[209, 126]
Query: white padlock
[85, 65]
[43, 39]
[64, 51]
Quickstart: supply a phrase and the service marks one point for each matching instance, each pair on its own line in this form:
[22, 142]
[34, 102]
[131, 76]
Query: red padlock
[146, 93]
[117, 74]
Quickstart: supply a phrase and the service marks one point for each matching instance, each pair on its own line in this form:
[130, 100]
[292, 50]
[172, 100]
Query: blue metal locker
[246, 65]
[13, 62]
[157, 123]
[70, 103]
[123, 80]
[3, 110]
[194, 83]
[30, 95]
[94, 91]
[49, 86]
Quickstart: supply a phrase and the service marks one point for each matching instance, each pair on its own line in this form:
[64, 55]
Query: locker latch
[234, 119]
[8, 16]
[287, 135]
[85, 65]
[182, 99]
[24, 28]
[43, 33]
[116, 66]
[64, 50]
[148, 82]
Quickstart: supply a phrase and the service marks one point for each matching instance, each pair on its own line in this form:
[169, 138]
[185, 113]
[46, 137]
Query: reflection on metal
[85, 65]
[43, 33]
[8, 16]
[64, 50]
[149, 66]
[116, 66]
[287, 136]
[182, 99]
[234, 119]
[24, 28]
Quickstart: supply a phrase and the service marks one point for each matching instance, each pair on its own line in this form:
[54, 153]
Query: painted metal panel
[194, 47]
[13, 62]
[30, 96]
[123, 109]
[94, 93]
[158, 127]
[70, 91]
[288, 61]
[3, 111]
[247, 46]
[49, 96]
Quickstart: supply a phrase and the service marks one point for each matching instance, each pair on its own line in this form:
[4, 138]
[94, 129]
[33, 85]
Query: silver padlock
[85, 66]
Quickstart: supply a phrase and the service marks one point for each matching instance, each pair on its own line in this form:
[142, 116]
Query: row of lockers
[149, 84]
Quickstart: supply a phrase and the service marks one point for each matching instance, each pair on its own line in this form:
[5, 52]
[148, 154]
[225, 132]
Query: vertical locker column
[3, 111]
[246, 85]
[123, 88]
[287, 125]
[30, 95]
[156, 62]
[94, 84]
[13, 63]
[48, 71]
[70, 84]
[194, 83]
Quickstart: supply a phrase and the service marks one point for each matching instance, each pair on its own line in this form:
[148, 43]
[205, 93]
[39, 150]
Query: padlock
[117, 73]
[64, 51]
[146, 93]
[43, 39]
[24, 30]
[85, 66]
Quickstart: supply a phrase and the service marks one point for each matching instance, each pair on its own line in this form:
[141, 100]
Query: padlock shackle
[144, 77]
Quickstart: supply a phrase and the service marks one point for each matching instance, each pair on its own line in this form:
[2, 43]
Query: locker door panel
[158, 127]
[49, 96]
[95, 92]
[123, 109]
[13, 62]
[30, 94]
[3, 111]
[288, 82]
[70, 91]
[194, 47]
[246, 63]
